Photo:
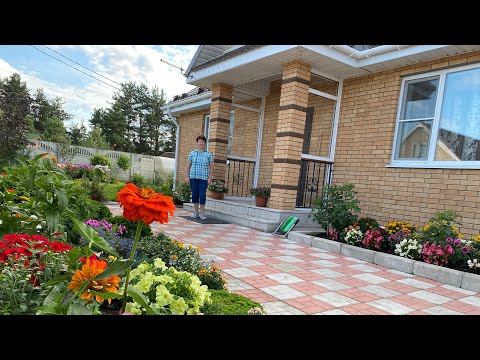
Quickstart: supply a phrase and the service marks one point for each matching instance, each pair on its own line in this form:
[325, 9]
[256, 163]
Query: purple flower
[466, 249]
[457, 242]
[449, 240]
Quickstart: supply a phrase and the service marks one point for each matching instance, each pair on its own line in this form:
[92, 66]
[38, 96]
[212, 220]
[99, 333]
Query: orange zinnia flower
[90, 269]
[145, 204]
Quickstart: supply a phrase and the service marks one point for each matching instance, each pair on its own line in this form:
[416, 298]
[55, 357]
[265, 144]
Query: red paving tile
[217, 236]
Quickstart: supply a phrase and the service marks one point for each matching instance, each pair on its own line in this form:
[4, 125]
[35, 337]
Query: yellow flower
[24, 198]
[180, 245]
[173, 257]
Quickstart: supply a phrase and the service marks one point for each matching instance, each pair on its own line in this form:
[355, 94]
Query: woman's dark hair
[201, 137]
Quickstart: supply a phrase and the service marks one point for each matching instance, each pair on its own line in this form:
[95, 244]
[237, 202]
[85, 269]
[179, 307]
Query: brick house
[400, 122]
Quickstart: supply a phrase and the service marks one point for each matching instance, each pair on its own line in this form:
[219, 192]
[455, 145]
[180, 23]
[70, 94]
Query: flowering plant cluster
[182, 257]
[436, 254]
[218, 186]
[166, 290]
[394, 226]
[115, 235]
[353, 235]
[372, 239]
[27, 263]
[261, 191]
[408, 248]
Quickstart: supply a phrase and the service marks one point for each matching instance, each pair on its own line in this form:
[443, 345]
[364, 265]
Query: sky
[82, 93]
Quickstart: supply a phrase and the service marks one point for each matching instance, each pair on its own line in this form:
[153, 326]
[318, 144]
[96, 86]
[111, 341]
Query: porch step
[240, 219]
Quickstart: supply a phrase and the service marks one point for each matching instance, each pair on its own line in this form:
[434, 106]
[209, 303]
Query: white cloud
[120, 63]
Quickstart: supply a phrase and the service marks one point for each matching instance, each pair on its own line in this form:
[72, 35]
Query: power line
[73, 67]
[81, 65]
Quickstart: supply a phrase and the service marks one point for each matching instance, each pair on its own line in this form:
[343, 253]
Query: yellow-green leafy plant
[156, 290]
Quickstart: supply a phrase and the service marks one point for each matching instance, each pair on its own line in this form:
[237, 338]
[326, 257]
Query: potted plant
[218, 189]
[261, 195]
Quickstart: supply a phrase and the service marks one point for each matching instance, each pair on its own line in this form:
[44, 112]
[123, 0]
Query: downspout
[176, 146]
[351, 52]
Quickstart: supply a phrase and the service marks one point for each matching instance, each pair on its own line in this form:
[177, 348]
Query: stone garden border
[441, 274]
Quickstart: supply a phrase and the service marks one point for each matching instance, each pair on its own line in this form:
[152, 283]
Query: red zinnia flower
[145, 204]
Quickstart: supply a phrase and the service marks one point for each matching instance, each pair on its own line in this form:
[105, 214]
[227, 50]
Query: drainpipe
[176, 146]
[351, 52]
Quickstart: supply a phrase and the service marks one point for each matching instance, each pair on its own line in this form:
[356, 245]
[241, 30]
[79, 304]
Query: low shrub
[226, 303]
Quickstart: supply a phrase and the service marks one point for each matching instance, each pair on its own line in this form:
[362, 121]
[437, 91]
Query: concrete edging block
[357, 252]
[394, 262]
[300, 238]
[325, 244]
[438, 273]
[471, 282]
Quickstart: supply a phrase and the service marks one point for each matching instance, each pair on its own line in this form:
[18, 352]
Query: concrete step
[240, 219]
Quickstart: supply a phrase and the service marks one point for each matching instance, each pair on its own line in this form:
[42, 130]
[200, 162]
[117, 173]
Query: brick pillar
[220, 109]
[290, 135]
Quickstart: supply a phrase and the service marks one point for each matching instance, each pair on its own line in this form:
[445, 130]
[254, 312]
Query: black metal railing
[239, 177]
[313, 175]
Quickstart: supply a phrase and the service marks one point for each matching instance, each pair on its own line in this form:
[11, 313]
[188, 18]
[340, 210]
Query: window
[439, 120]
[206, 129]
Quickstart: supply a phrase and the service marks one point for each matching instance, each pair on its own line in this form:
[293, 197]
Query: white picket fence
[145, 165]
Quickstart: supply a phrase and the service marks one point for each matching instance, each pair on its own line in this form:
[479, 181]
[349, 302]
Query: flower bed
[465, 280]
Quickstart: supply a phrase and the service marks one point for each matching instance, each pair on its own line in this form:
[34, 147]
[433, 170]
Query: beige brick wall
[245, 130]
[364, 147]
[191, 126]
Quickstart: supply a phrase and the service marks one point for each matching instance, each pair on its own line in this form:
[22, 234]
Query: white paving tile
[440, 310]
[282, 292]
[252, 254]
[225, 244]
[379, 291]
[329, 273]
[214, 257]
[289, 252]
[430, 297]
[255, 247]
[247, 262]
[285, 278]
[457, 289]
[237, 284]
[325, 263]
[287, 267]
[334, 299]
[390, 307]
[416, 283]
[291, 246]
[401, 273]
[241, 272]
[333, 312]
[471, 300]
[217, 250]
[364, 268]
[372, 279]
[280, 308]
[288, 258]
[331, 284]
[259, 242]
[358, 261]
[324, 256]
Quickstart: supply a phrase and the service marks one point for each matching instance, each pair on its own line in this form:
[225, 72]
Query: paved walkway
[291, 278]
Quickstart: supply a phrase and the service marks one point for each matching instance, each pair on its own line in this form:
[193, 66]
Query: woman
[199, 174]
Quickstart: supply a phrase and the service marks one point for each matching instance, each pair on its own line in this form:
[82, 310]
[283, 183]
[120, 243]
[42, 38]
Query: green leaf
[116, 268]
[59, 279]
[50, 197]
[78, 309]
[91, 235]
[61, 199]
[142, 300]
[52, 216]
[52, 309]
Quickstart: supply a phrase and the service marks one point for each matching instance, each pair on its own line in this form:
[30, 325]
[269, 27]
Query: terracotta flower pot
[217, 195]
[260, 201]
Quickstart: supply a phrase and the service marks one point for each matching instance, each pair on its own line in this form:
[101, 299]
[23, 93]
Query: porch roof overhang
[340, 61]
[253, 69]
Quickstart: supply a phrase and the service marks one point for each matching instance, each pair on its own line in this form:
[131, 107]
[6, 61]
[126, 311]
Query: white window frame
[430, 162]
[206, 129]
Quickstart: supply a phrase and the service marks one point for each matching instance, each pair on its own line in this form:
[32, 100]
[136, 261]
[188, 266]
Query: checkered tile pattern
[289, 278]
